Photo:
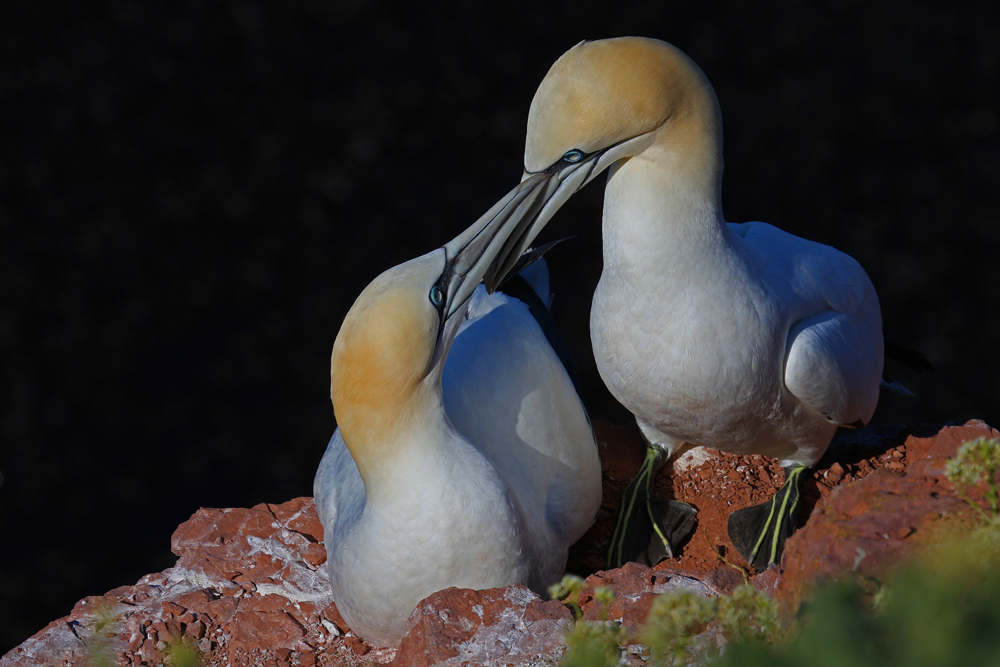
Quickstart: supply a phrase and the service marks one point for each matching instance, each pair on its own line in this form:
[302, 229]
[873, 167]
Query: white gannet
[739, 337]
[475, 467]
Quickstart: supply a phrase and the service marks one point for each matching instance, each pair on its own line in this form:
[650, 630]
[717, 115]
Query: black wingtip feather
[915, 360]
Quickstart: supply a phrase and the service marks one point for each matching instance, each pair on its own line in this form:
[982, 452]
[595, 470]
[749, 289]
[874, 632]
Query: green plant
[749, 616]
[941, 612]
[568, 591]
[674, 620]
[677, 618]
[593, 644]
[672, 628]
[589, 644]
[99, 649]
[181, 654]
[976, 462]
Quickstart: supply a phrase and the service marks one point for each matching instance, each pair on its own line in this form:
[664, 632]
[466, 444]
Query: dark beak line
[470, 255]
[508, 256]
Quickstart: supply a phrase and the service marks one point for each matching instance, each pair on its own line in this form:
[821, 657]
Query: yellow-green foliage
[674, 620]
[977, 461]
[940, 611]
[568, 591]
[182, 654]
[593, 644]
[589, 644]
[677, 617]
[749, 616]
[99, 650]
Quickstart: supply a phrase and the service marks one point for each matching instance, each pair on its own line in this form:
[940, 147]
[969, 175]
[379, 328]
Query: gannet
[463, 454]
[738, 337]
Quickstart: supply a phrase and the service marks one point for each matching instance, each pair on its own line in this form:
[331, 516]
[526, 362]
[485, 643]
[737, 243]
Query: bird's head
[390, 351]
[605, 102]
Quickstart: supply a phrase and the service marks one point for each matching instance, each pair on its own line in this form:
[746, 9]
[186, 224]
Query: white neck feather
[425, 434]
[662, 211]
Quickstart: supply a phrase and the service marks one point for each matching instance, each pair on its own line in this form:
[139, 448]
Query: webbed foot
[648, 528]
[759, 532]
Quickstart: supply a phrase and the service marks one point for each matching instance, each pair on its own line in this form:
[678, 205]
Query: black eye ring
[574, 155]
[436, 296]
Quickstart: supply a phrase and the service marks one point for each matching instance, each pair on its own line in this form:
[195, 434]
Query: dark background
[192, 194]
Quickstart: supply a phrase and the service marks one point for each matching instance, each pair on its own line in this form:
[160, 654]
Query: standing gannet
[475, 467]
[739, 337]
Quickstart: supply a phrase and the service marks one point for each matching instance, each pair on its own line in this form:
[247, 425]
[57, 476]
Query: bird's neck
[391, 440]
[664, 204]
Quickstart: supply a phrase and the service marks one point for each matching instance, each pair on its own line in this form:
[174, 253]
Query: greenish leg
[647, 527]
[759, 532]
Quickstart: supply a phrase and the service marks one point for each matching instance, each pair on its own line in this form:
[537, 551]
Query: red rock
[357, 645]
[197, 598]
[315, 554]
[635, 587]
[499, 626]
[767, 581]
[250, 586]
[172, 608]
[332, 614]
[196, 629]
[870, 525]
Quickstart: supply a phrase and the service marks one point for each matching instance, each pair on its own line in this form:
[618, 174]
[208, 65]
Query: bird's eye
[573, 156]
[437, 296]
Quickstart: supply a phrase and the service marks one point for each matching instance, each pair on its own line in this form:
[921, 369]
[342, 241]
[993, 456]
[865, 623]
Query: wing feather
[507, 391]
[338, 489]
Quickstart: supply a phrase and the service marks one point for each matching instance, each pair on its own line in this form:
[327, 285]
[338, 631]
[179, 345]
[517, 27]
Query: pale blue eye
[573, 156]
[437, 296]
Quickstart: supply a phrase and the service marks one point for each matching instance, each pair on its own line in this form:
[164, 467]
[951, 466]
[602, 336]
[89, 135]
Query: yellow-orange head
[382, 356]
[604, 92]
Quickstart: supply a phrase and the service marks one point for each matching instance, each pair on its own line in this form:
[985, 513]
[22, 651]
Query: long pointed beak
[552, 190]
[475, 250]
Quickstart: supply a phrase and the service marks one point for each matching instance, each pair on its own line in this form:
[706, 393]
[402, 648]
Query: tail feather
[915, 360]
[893, 385]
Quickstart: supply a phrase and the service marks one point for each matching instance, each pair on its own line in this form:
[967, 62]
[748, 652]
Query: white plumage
[496, 476]
[740, 337]
[752, 341]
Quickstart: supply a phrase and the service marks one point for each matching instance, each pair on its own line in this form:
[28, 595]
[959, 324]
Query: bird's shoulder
[500, 336]
[813, 270]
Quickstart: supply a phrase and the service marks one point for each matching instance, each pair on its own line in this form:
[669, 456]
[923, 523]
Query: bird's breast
[699, 356]
[451, 524]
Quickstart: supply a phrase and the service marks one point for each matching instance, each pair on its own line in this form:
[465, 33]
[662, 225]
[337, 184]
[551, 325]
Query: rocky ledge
[250, 589]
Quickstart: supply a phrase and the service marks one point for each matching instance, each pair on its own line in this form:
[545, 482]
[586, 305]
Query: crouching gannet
[739, 337]
[475, 467]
